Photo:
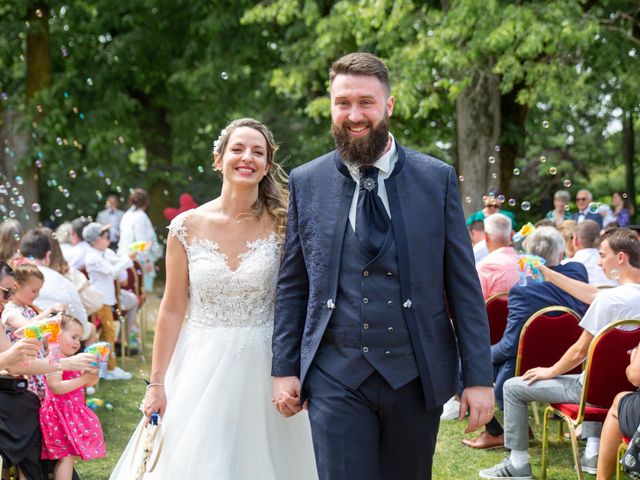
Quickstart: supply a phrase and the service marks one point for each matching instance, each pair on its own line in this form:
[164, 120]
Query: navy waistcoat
[367, 331]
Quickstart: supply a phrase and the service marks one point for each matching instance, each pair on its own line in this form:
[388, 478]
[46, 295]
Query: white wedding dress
[220, 422]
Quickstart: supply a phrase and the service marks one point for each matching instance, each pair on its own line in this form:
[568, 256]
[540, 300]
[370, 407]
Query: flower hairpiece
[216, 143]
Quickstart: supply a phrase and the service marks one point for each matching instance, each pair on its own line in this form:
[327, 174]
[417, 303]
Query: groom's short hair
[361, 63]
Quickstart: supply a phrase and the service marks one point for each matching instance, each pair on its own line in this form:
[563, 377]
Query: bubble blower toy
[140, 247]
[102, 350]
[526, 230]
[529, 266]
[47, 329]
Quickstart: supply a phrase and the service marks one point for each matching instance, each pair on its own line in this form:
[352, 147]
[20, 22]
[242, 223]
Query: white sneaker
[451, 409]
[117, 374]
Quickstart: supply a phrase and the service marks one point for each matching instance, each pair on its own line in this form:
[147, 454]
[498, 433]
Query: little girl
[70, 429]
[19, 311]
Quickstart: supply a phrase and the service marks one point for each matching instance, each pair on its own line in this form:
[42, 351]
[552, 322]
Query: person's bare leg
[610, 438]
[64, 468]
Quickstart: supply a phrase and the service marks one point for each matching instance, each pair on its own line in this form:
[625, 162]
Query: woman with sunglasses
[20, 441]
[492, 203]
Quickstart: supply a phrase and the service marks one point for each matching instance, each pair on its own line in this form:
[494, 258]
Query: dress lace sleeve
[178, 229]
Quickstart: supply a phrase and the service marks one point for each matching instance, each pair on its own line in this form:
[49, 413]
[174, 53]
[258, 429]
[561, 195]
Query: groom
[377, 294]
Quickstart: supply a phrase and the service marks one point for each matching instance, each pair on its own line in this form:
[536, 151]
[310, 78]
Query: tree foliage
[140, 89]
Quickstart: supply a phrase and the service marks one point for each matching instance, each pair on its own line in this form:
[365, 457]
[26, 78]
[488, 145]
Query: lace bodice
[222, 297]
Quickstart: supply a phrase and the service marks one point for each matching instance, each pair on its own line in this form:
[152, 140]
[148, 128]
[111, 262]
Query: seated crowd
[82, 287]
[592, 271]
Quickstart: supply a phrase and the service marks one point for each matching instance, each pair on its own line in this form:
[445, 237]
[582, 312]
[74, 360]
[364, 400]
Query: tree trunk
[628, 154]
[38, 77]
[478, 131]
[512, 137]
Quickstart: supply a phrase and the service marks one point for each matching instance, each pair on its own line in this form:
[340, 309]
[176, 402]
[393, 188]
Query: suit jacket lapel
[340, 204]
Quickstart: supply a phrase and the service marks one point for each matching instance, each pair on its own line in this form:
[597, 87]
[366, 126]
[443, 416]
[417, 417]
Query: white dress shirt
[103, 267]
[76, 255]
[589, 257]
[135, 226]
[385, 164]
[57, 289]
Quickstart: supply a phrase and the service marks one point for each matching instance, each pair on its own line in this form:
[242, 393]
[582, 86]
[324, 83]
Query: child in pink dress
[70, 429]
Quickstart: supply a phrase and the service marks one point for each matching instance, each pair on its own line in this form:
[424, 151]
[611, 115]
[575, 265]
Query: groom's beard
[361, 151]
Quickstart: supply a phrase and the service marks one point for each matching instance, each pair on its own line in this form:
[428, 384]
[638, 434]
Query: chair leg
[536, 415]
[545, 440]
[621, 449]
[575, 449]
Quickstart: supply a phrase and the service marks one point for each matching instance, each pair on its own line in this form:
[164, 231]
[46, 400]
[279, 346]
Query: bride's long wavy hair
[273, 196]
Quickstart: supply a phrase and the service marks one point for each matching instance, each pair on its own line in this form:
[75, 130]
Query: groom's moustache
[361, 151]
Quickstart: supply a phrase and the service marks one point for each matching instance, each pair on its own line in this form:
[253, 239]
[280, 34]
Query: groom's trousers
[371, 432]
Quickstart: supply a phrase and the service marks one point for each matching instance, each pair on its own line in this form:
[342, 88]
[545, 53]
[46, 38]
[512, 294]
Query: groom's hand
[286, 395]
[480, 402]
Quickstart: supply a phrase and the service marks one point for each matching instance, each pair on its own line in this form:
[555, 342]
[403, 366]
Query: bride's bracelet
[155, 385]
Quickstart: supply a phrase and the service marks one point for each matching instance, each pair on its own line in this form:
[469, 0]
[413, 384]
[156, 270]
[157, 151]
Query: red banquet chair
[604, 377]
[544, 338]
[497, 313]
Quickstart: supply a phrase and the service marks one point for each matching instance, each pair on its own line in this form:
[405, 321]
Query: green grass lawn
[452, 460]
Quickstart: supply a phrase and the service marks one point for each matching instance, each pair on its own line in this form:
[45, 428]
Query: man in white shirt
[112, 216]
[104, 267]
[75, 255]
[56, 288]
[585, 242]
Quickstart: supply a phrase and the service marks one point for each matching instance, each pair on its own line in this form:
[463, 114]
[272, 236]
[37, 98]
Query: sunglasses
[7, 292]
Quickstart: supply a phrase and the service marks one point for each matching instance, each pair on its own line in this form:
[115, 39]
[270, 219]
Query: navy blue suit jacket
[589, 216]
[525, 301]
[434, 257]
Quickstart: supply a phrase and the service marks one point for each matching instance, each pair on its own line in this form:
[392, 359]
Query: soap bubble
[72, 174]
[497, 148]
[200, 169]
[36, 207]
[594, 207]
[461, 178]
[224, 75]
[545, 124]
[467, 199]
[492, 159]
[567, 183]
[494, 175]
[525, 206]
[501, 198]
[516, 171]
[57, 212]
[19, 180]
[553, 171]
[543, 159]
[512, 202]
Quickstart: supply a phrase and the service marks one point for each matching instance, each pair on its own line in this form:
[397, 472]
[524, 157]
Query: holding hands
[286, 395]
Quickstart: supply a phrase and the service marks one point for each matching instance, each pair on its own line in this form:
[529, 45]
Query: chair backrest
[139, 281]
[497, 313]
[546, 336]
[607, 361]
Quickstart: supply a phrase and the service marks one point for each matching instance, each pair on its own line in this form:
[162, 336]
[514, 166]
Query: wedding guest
[492, 204]
[560, 212]
[498, 271]
[586, 238]
[622, 208]
[20, 440]
[584, 198]
[104, 267]
[63, 236]
[112, 216]
[75, 256]
[137, 227]
[10, 234]
[567, 229]
[56, 289]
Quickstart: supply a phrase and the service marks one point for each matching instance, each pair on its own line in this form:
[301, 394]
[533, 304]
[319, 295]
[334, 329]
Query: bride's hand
[155, 400]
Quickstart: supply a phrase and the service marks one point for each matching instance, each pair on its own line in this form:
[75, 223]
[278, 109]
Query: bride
[210, 381]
